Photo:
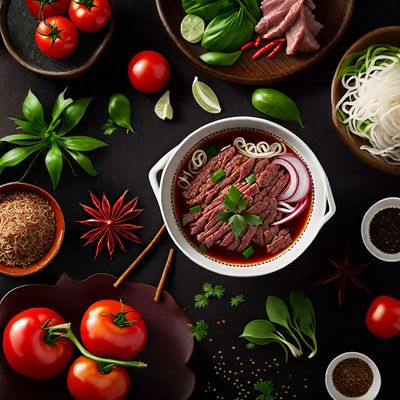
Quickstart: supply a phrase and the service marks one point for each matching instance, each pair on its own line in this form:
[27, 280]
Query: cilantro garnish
[200, 301]
[109, 127]
[199, 330]
[236, 300]
[267, 390]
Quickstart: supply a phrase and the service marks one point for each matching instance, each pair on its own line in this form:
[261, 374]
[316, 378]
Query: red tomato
[57, 37]
[89, 15]
[26, 349]
[108, 330]
[383, 317]
[149, 71]
[47, 8]
[86, 382]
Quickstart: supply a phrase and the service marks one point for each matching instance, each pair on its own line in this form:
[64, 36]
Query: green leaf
[208, 289]
[208, 9]
[83, 161]
[60, 104]
[252, 7]
[18, 154]
[81, 143]
[74, 113]
[236, 300]
[267, 390]
[54, 163]
[109, 127]
[224, 215]
[218, 291]
[200, 300]
[238, 224]
[199, 330]
[33, 109]
[235, 194]
[252, 219]
[277, 311]
[22, 139]
[30, 127]
[259, 331]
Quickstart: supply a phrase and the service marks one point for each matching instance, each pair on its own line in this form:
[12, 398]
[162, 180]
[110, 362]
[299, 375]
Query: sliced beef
[295, 34]
[246, 167]
[260, 165]
[310, 4]
[234, 245]
[280, 185]
[267, 175]
[312, 24]
[281, 241]
[246, 237]
[216, 235]
[309, 43]
[251, 190]
[257, 208]
[201, 237]
[258, 238]
[191, 217]
[228, 239]
[270, 234]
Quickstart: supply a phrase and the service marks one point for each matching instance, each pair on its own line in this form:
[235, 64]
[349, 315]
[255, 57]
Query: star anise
[110, 224]
[344, 273]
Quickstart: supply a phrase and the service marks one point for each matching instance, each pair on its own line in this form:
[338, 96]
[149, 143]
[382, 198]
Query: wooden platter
[387, 35]
[334, 15]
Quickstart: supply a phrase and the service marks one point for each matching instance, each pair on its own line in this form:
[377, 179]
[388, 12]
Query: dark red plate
[169, 347]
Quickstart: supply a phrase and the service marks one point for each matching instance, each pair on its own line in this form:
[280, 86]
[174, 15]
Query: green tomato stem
[64, 330]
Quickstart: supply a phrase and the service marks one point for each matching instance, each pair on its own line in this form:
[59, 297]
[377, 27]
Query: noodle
[259, 150]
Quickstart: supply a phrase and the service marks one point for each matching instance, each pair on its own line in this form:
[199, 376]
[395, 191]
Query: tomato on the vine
[149, 71]
[89, 15]
[86, 381]
[113, 329]
[29, 351]
[57, 37]
[41, 9]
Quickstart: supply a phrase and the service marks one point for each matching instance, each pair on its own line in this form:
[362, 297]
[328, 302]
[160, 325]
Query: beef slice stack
[293, 19]
[261, 198]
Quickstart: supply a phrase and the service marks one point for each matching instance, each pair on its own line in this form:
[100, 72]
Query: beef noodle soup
[241, 196]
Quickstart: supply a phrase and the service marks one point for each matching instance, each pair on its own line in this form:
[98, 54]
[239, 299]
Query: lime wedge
[163, 107]
[205, 97]
[192, 28]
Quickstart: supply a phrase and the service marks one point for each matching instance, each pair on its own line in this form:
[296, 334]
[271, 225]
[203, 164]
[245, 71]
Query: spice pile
[384, 230]
[27, 227]
[352, 377]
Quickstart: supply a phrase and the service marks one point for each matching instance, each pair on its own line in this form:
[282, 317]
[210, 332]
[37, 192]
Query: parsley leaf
[267, 390]
[252, 219]
[109, 127]
[200, 300]
[218, 291]
[238, 224]
[199, 330]
[225, 215]
[207, 289]
[236, 300]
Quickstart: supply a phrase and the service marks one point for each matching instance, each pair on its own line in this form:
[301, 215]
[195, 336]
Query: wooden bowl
[388, 35]
[334, 15]
[16, 271]
[18, 27]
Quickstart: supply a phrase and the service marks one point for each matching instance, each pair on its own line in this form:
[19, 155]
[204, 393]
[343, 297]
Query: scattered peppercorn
[384, 230]
[352, 377]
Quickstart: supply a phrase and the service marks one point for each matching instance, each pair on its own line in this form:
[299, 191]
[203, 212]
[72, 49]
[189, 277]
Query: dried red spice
[110, 224]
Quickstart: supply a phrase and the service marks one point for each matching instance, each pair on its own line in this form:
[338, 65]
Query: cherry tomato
[57, 37]
[149, 71]
[89, 15]
[86, 381]
[47, 8]
[112, 329]
[26, 349]
[383, 317]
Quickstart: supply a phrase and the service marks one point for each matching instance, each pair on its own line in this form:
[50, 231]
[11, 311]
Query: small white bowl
[380, 205]
[373, 390]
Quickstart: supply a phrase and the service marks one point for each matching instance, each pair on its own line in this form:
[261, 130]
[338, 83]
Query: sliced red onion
[300, 207]
[293, 183]
[285, 206]
[304, 181]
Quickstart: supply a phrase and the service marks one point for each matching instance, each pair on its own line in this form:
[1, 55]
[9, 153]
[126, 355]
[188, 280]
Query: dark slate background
[127, 160]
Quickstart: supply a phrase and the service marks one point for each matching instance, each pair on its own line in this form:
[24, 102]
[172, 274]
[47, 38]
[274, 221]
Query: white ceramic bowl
[378, 206]
[323, 205]
[373, 390]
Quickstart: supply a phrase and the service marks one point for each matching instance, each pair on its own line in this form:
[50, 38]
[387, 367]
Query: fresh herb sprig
[41, 136]
[235, 205]
[201, 300]
[236, 300]
[199, 330]
[267, 390]
[109, 127]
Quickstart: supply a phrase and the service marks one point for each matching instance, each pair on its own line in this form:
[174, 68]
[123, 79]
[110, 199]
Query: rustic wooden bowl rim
[59, 235]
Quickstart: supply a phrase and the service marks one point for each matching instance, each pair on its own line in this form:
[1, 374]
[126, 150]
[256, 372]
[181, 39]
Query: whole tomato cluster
[57, 36]
[39, 344]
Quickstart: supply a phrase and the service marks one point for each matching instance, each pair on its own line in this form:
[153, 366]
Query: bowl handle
[331, 206]
[158, 167]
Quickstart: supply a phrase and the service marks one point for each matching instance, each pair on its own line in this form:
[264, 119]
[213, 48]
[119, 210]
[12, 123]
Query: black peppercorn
[384, 230]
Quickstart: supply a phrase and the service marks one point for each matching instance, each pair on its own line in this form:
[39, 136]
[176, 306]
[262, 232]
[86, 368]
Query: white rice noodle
[259, 150]
[184, 180]
[198, 161]
[374, 96]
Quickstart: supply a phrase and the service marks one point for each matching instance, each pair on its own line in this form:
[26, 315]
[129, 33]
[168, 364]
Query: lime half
[205, 97]
[163, 107]
[192, 28]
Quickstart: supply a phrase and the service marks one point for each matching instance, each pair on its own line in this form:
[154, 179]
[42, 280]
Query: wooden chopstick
[164, 275]
[139, 258]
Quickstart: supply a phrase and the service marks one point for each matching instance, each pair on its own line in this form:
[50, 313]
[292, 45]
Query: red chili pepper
[247, 45]
[264, 49]
[258, 41]
[275, 50]
[282, 40]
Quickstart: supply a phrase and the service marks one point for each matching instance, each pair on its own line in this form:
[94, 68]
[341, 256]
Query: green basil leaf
[21, 139]
[30, 127]
[228, 32]
[224, 215]
[252, 219]
[259, 331]
[33, 109]
[18, 154]
[238, 224]
[54, 163]
[277, 311]
[74, 113]
[209, 9]
[81, 143]
[83, 161]
[60, 105]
